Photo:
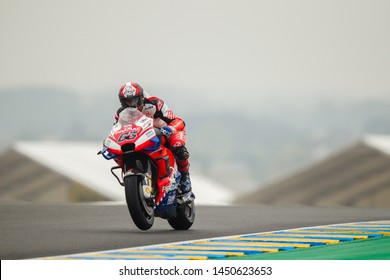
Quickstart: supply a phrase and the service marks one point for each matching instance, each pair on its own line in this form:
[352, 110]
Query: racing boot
[185, 189]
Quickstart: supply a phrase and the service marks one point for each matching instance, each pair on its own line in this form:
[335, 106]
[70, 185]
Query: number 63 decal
[128, 135]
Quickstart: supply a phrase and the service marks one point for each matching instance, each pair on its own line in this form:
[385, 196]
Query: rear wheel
[141, 213]
[185, 216]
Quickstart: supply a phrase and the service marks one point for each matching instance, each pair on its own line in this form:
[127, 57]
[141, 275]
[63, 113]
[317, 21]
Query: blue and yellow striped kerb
[248, 244]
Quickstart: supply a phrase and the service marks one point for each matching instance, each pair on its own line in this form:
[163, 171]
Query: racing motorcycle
[148, 172]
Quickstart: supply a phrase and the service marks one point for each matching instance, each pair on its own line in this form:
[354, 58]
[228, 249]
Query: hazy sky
[242, 47]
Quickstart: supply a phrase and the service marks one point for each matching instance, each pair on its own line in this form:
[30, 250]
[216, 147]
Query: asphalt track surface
[32, 230]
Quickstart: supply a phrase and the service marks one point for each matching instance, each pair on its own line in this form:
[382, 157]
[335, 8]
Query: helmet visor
[134, 101]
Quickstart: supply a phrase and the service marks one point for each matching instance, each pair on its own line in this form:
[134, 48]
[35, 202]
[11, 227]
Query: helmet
[131, 95]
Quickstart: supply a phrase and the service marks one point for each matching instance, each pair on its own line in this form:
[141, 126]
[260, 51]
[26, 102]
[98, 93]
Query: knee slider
[180, 152]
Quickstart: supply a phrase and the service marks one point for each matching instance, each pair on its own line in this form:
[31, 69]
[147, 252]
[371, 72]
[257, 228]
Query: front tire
[141, 213]
[185, 216]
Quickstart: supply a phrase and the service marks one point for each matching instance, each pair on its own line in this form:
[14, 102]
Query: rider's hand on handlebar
[167, 131]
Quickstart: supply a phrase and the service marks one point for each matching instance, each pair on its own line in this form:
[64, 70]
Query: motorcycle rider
[132, 94]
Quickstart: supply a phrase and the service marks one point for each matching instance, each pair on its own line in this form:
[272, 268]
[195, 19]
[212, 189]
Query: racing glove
[167, 131]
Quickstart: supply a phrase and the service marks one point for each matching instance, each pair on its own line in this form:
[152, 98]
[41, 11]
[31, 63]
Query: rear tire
[185, 216]
[140, 212]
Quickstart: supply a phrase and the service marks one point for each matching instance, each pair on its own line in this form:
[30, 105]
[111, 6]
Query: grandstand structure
[358, 176]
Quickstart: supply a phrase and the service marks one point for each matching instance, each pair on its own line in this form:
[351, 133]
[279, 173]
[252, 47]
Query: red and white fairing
[134, 128]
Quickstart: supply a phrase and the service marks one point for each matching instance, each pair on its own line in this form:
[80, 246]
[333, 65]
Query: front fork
[145, 179]
[146, 183]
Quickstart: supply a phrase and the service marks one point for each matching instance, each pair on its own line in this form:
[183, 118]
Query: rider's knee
[180, 152]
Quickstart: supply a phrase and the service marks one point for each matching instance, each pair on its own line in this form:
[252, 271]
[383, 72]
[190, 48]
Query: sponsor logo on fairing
[130, 134]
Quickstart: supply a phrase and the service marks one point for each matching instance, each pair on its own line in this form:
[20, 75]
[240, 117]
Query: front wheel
[141, 213]
[185, 216]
